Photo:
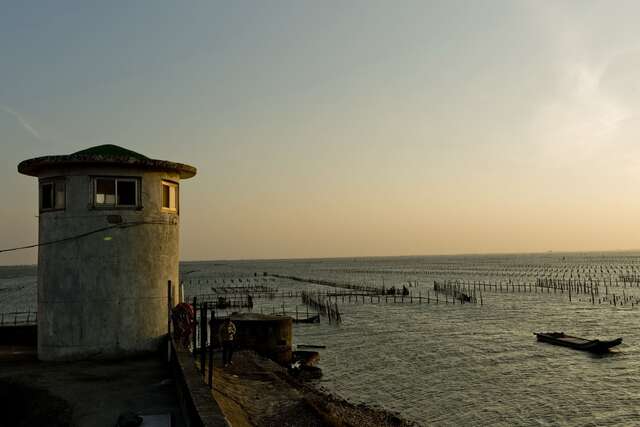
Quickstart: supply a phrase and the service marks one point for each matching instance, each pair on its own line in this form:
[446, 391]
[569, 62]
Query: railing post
[211, 334]
[169, 307]
[195, 326]
[203, 338]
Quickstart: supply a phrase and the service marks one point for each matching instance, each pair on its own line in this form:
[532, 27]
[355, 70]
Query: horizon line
[455, 254]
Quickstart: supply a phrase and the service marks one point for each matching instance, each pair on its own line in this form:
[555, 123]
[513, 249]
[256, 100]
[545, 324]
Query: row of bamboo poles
[322, 306]
[633, 279]
[342, 285]
[15, 318]
[572, 288]
[458, 292]
[240, 281]
[454, 291]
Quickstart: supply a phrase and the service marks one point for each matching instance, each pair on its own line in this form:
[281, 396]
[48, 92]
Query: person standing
[227, 334]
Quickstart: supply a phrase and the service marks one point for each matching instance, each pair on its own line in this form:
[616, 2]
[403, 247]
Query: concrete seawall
[199, 408]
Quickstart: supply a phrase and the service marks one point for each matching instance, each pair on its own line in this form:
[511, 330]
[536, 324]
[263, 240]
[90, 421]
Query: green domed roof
[110, 150]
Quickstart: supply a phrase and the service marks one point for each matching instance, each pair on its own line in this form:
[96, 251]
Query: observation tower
[109, 245]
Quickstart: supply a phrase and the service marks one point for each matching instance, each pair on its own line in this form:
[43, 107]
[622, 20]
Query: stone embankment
[258, 392]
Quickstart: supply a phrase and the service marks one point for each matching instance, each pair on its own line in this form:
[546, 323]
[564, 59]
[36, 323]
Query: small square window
[105, 191]
[126, 191]
[46, 196]
[52, 195]
[59, 198]
[116, 192]
[169, 196]
[166, 191]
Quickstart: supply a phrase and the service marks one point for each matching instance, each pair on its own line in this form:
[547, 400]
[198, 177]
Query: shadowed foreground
[88, 393]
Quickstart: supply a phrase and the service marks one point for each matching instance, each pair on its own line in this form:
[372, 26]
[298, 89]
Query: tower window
[105, 191]
[126, 191]
[169, 196]
[52, 195]
[113, 192]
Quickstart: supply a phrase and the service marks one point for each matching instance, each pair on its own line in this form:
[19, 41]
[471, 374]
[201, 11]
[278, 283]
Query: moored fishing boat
[312, 319]
[560, 338]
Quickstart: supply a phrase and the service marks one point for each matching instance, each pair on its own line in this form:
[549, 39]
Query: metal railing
[15, 318]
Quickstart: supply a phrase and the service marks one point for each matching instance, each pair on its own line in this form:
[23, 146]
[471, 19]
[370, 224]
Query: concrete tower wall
[105, 294]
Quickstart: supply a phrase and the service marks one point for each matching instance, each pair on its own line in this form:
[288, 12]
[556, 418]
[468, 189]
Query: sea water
[452, 364]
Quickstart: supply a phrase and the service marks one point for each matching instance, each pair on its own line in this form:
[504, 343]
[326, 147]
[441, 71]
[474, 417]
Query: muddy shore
[257, 392]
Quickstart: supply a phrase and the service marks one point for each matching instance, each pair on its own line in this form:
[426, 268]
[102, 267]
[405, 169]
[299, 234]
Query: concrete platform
[97, 392]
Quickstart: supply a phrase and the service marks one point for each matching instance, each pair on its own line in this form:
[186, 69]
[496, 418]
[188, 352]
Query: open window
[116, 192]
[170, 196]
[52, 194]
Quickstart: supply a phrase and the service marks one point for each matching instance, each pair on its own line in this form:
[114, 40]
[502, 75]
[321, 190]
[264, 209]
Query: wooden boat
[560, 338]
[312, 319]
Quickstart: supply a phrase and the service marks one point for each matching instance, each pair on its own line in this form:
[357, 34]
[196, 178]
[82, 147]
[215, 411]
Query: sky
[340, 128]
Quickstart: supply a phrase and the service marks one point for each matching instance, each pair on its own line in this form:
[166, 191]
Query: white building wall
[102, 297]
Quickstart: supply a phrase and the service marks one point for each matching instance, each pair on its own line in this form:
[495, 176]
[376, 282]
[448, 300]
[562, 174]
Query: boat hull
[577, 343]
[312, 319]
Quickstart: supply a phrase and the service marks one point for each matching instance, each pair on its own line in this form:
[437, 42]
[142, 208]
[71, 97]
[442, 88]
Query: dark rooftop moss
[111, 151]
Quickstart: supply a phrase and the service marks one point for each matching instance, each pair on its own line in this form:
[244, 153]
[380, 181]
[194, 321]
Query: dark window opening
[52, 195]
[126, 193]
[47, 196]
[170, 196]
[116, 192]
[165, 196]
[59, 197]
[105, 191]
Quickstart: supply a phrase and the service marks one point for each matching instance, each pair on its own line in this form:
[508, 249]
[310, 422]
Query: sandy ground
[257, 392]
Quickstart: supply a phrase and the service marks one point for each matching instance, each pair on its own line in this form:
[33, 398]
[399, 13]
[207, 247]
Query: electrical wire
[88, 233]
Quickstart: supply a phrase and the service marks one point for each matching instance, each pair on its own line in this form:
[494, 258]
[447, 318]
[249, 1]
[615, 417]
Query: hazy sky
[344, 128]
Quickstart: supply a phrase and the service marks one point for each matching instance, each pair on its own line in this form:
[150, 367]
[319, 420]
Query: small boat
[307, 358]
[312, 319]
[303, 366]
[560, 338]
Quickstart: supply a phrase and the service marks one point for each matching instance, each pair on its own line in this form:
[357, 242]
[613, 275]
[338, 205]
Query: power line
[88, 233]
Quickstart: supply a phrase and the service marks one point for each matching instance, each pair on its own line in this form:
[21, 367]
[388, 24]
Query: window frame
[54, 182]
[111, 206]
[170, 184]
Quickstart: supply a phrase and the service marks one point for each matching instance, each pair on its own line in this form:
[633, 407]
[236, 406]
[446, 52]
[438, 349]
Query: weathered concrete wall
[269, 336]
[102, 297]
